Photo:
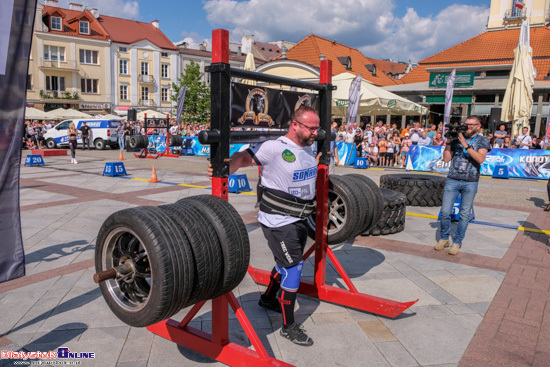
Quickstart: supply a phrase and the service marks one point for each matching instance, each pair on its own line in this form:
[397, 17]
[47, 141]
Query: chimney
[202, 46]
[50, 2]
[94, 12]
[239, 51]
[75, 6]
[283, 51]
[155, 23]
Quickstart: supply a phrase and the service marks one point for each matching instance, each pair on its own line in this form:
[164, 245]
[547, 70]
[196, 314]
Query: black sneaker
[273, 304]
[296, 334]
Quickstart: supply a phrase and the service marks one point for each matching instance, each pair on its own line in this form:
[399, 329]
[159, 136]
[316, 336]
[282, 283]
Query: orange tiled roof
[310, 48]
[70, 24]
[489, 48]
[131, 31]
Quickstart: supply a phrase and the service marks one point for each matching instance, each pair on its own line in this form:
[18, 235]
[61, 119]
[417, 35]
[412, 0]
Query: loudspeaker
[132, 114]
[495, 115]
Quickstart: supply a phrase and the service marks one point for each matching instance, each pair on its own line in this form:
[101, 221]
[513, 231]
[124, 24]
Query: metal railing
[146, 79]
[515, 13]
[147, 102]
[53, 64]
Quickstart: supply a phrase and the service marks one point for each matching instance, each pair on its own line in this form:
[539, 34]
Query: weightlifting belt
[279, 202]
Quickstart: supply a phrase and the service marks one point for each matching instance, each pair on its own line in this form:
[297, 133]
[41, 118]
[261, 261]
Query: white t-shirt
[350, 138]
[523, 139]
[287, 167]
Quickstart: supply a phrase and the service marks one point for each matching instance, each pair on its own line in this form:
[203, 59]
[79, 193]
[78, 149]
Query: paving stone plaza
[487, 306]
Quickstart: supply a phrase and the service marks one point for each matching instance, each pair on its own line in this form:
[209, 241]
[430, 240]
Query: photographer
[466, 152]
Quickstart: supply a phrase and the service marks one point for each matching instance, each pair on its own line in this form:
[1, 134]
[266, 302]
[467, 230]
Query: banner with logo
[15, 43]
[253, 106]
[521, 163]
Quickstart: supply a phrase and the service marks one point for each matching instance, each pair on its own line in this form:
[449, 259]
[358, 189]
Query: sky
[400, 30]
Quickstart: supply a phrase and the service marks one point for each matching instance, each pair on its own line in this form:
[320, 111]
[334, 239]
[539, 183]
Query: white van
[103, 133]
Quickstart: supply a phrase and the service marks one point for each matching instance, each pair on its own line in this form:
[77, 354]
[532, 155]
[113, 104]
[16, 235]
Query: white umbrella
[32, 113]
[374, 100]
[518, 98]
[69, 113]
[150, 114]
[249, 65]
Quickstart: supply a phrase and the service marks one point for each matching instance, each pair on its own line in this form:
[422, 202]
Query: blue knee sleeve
[290, 276]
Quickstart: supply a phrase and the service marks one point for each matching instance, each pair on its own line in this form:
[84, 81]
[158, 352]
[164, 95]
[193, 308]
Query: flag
[519, 4]
[353, 100]
[181, 100]
[449, 99]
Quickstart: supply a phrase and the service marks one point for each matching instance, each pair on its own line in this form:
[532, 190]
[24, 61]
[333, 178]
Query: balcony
[69, 65]
[147, 103]
[146, 79]
[515, 14]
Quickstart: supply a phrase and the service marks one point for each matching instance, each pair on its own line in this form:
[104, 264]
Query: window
[164, 54]
[56, 23]
[54, 53]
[123, 49]
[56, 83]
[123, 67]
[29, 82]
[164, 70]
[144, 68]
[164, 94]
[88, 57]
[89, 86]
[144, 93]
[84, 27]
[123, 92]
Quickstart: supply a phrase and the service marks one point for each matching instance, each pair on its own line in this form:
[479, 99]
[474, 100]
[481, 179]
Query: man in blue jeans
[466, 154]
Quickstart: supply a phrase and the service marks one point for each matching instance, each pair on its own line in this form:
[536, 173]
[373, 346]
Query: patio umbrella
[374, 100]
[249, 65]
[69, 113]
[518, 98]
[32, 113]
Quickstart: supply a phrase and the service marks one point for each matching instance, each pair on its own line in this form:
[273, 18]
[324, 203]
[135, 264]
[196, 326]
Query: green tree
[197, 96]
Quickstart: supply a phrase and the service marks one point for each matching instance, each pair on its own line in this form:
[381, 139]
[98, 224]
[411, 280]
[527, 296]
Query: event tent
[373, 100]
[150, 114]
[70, 113]
[32, 113]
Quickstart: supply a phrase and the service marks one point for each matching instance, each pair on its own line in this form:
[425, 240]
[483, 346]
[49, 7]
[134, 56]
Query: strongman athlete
[289, 172]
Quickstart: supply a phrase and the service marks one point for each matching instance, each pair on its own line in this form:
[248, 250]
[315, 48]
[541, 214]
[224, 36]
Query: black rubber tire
[175, 141]
[136, 233]
[393, 216]
[377, 201]
[233, 239]
[204, 243]
[420, 190]
[99, 144]
[138, 141]
[51, 144]
[365, 200]
[344, 204]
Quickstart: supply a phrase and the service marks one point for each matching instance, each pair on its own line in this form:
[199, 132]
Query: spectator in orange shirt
[382, 150]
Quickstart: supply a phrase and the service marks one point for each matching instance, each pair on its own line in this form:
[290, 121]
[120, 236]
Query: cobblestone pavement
[487, 306]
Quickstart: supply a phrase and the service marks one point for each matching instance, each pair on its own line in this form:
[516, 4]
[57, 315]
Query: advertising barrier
[157, 144]
[521, 163]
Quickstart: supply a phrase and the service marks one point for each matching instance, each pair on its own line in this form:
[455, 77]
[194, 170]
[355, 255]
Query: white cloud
[368, 25]
[127, 9]
[194, 39]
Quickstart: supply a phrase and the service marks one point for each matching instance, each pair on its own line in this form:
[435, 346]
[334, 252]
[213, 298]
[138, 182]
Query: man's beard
[469, 134]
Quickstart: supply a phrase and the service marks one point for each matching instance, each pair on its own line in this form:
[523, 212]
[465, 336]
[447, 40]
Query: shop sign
[463, 79]
[342, 102]
[94, 106]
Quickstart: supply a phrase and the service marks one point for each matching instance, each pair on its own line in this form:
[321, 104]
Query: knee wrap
[291, 276]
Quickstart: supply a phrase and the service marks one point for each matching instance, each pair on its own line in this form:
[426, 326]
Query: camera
[454, 128]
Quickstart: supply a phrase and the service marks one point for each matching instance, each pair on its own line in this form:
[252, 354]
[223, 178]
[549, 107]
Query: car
[103, 133]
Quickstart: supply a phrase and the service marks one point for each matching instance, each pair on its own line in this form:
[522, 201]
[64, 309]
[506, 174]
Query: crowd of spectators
[386, 145]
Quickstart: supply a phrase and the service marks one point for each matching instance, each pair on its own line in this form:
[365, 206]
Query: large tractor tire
[344, 217]
[154, 260]
[139, 141]
[375, 202]
[420, 190]
[175, 141]
[393, 216]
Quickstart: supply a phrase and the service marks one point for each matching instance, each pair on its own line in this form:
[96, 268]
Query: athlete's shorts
[287, 243]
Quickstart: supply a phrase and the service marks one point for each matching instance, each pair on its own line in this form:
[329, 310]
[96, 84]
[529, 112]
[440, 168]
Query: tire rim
[132, 289]
[337, 215]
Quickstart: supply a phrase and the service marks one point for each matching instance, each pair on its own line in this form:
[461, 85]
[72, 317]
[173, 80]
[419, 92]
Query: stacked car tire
[139, 141]
[393, 216]
[172, 256]
[420, 190]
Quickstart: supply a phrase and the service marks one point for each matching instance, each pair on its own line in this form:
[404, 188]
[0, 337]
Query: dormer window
[56, 23]
[345, 61]
[84, 27]
[371, 68]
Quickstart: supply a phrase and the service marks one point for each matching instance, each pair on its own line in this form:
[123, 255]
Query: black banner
[15, 44]
[253, 106]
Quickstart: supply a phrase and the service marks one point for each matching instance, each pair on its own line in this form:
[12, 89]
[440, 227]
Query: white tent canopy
[69, 113]
[373, 100]
[32, 113]
[150, 114]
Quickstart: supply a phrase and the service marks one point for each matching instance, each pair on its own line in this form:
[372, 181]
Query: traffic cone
[154, 176]
[120, 157]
